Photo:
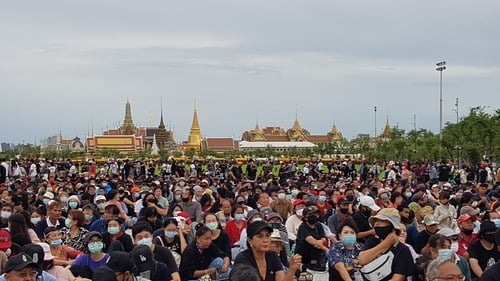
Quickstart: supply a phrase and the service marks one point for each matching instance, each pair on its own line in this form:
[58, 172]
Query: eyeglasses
[451, 278]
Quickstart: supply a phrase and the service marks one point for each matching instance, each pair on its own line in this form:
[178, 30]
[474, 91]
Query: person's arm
[364, 234]
[295, 264]
[369, 255]
[474, 265]
[344, 274]
[225, 266]
[398, 277]
[318, 244]
[182, 239]
[198, 212]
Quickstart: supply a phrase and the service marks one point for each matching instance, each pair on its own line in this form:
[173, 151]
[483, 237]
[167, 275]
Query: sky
[70, 66]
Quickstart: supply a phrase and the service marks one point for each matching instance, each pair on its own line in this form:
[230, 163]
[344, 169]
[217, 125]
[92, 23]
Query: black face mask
[344, 211]
[405, 220]
[467, 231]
[275, 225]
[121, 191]
[383, 232]
[184, 199]
[312, 219]
[490, 237]
[350, 197]
[367, 212]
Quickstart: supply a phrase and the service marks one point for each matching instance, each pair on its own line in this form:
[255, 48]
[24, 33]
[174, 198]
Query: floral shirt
[76, 242]
[339, 253]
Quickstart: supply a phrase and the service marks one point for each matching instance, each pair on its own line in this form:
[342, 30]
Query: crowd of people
[265, 220]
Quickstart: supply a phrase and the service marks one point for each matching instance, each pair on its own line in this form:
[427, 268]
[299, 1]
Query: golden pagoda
[335, 135]
[297, 133]
[128, 127]
[386, 134]
[194, 138]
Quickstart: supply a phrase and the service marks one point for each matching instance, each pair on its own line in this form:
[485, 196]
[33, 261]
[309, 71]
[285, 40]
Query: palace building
[295, 134]
[130, 138]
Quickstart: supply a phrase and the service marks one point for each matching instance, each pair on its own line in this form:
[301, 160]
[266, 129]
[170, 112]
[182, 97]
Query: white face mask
[281, 195]
[300, 212]
[454, 247]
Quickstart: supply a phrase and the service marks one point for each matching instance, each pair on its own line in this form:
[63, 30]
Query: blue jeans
[217, 263]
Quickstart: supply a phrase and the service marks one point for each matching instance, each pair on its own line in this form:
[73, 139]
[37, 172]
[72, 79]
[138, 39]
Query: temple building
[295, 134]
[387, 133]
[57, 143]
[130, 138]
[194, 138]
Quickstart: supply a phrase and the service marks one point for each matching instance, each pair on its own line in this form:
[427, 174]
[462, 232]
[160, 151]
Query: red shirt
[464, 243]
[233, 231]
[324, 209]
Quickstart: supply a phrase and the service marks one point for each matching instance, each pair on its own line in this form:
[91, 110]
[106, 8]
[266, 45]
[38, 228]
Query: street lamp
[375, 132]
[441, 66]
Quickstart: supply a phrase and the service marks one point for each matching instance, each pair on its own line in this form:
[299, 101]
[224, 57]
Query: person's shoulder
[244, 257]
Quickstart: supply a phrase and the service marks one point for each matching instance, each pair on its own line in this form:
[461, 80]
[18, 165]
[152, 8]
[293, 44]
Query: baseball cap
[18, 262]
[36, 253]
[465, 217]
[469, 210]
[430, 220]
[256, 227]
[100, 197]
[273, 215]
[49, 195]
[298, 202]
[276, 236]
[197, 188]
[448, 232]
[47, 255]
[142, 257]
[145, 189]
[487, 226]
[119, 261]
[367, 201]
[252, 213]
[5, 239]
[387, 214]
[310, 210]
[91, 234]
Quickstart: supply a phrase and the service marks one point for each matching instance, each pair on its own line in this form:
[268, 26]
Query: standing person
[311, 241]
[385, 245]
[483, 253]
[259, 257]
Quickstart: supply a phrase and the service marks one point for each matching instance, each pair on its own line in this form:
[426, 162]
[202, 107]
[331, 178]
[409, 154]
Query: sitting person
[344, 255]
[74, 232]
[202, 257]
[172, 238]
[63, 254]
[115, 239]
[94, 257]
[146, 266]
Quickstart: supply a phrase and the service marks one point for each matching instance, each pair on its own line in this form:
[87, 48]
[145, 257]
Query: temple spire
[194, 138]
[128, 127]
[162, 125]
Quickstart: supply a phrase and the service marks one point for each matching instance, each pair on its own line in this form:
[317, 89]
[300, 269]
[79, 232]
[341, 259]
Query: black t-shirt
[485, 258]
[492, 273]
[403, 261]
[362, 224]
[310, 254]
[444, 172]
[193, 259]
[164, 255]
[223, 242]
[272, 260]
[174, 246]
[422, 239]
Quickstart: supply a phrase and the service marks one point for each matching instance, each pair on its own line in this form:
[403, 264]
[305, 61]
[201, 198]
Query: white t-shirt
[292, 226]
[33, 170]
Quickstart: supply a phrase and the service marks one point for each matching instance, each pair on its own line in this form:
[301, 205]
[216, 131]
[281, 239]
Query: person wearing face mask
[281, 205]
[189, 206]
[63, 254]
[431, 227]
[143, 235]
[386, 245]
[343, 256]
[115, 238]
[5, 213]
[253, 216]
[311, 240]
[219, 236]
[366, 209]
[483, 253]
[322, 204]
[73, 234]
[172, 238]
[202, 257]
[294, 221]
[449, 240]
[445, 213]
[94, 257]
[225, 213]
[235, 227]
[466, 235]
[343, 212]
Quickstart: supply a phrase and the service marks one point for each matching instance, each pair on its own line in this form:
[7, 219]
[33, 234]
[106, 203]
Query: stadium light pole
[441, 66]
